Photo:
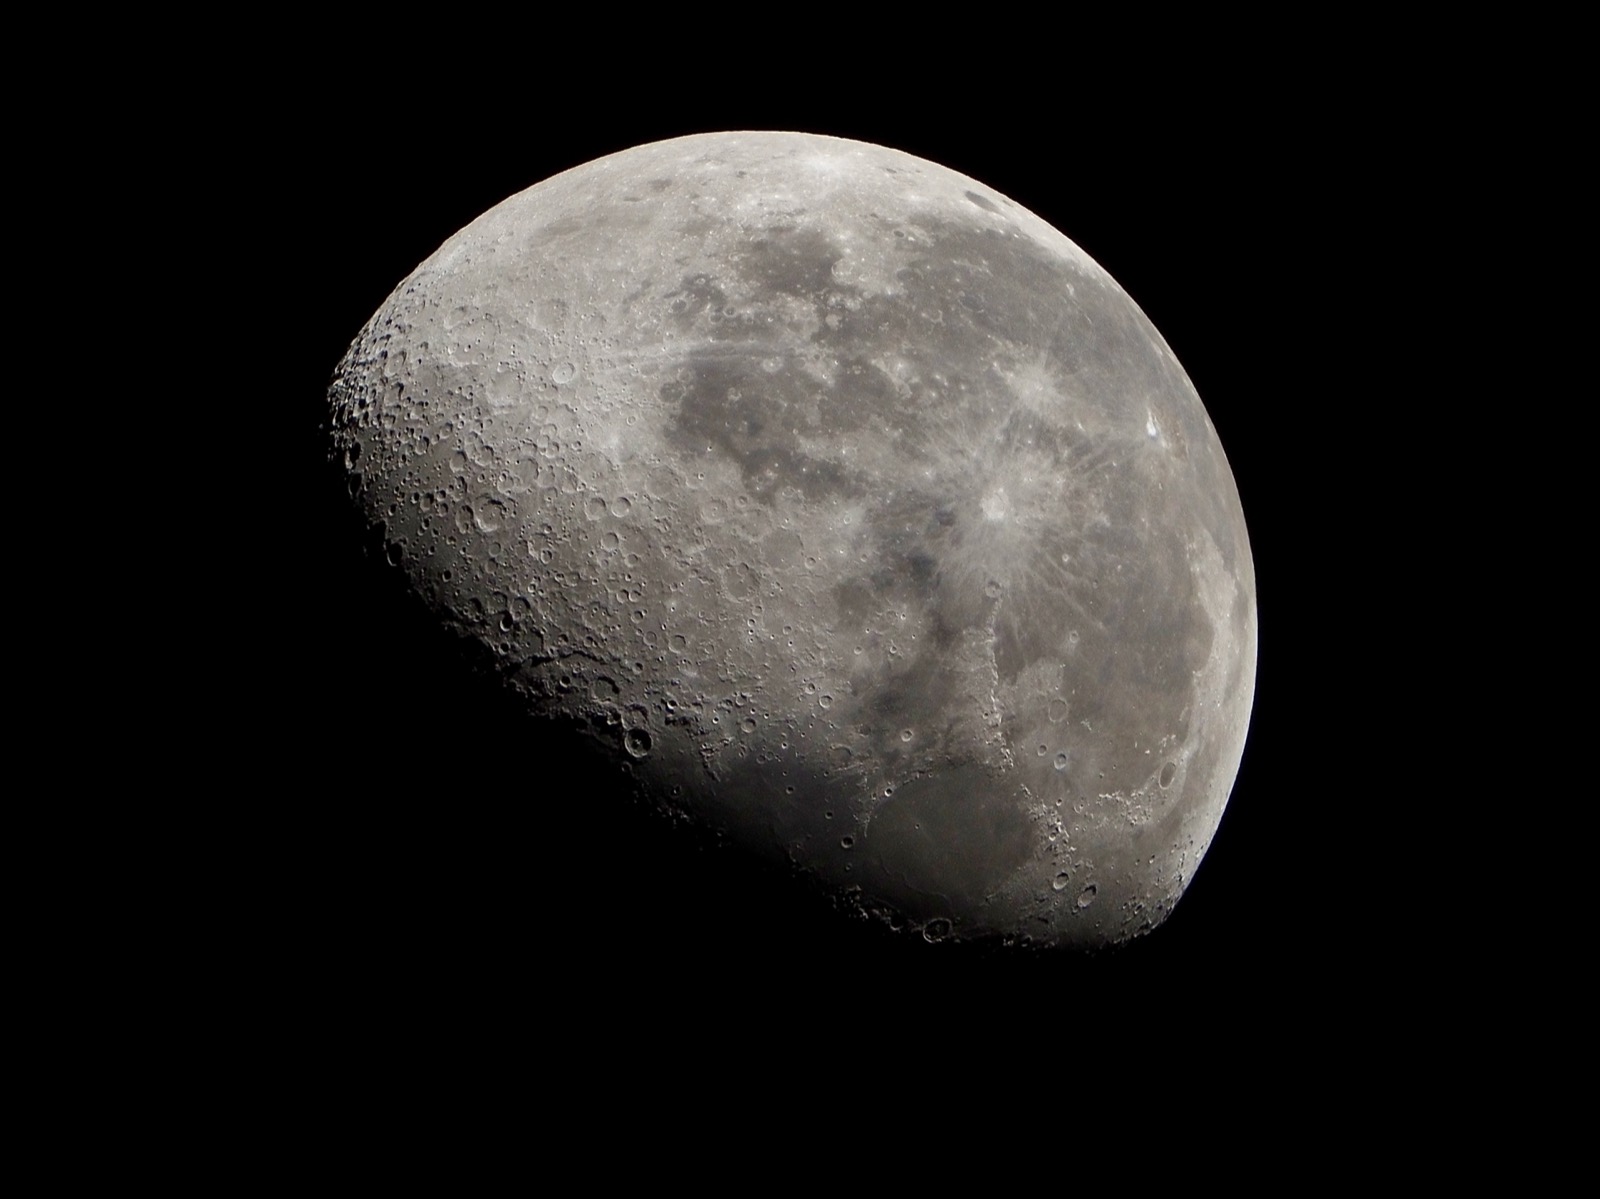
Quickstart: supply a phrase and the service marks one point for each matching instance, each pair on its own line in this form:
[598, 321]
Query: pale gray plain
[862, 515]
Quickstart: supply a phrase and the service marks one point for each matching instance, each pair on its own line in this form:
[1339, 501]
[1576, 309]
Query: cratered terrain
[848, 507]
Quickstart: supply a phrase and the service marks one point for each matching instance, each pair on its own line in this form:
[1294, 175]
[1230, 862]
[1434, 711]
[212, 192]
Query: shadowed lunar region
[847, 506]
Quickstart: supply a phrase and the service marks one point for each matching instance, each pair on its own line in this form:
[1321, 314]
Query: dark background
[436, 850]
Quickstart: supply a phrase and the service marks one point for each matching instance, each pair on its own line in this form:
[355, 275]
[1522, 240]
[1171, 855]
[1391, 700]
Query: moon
[847, 507]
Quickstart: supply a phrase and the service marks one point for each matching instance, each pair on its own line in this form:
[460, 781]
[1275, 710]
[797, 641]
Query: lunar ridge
[857, 512]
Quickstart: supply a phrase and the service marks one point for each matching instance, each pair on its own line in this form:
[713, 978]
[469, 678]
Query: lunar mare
[862, 516]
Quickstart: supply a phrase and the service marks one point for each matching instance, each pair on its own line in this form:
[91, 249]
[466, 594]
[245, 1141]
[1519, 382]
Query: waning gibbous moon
[846, 505]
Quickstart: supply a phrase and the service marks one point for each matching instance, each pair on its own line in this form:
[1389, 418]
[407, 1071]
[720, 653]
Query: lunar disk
[863, 517]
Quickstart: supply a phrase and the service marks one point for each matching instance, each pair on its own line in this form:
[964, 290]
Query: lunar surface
[844, 504]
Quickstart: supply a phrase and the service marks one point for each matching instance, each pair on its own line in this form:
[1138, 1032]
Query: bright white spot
[824, 164]
[995, 505]
[1150, 426]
